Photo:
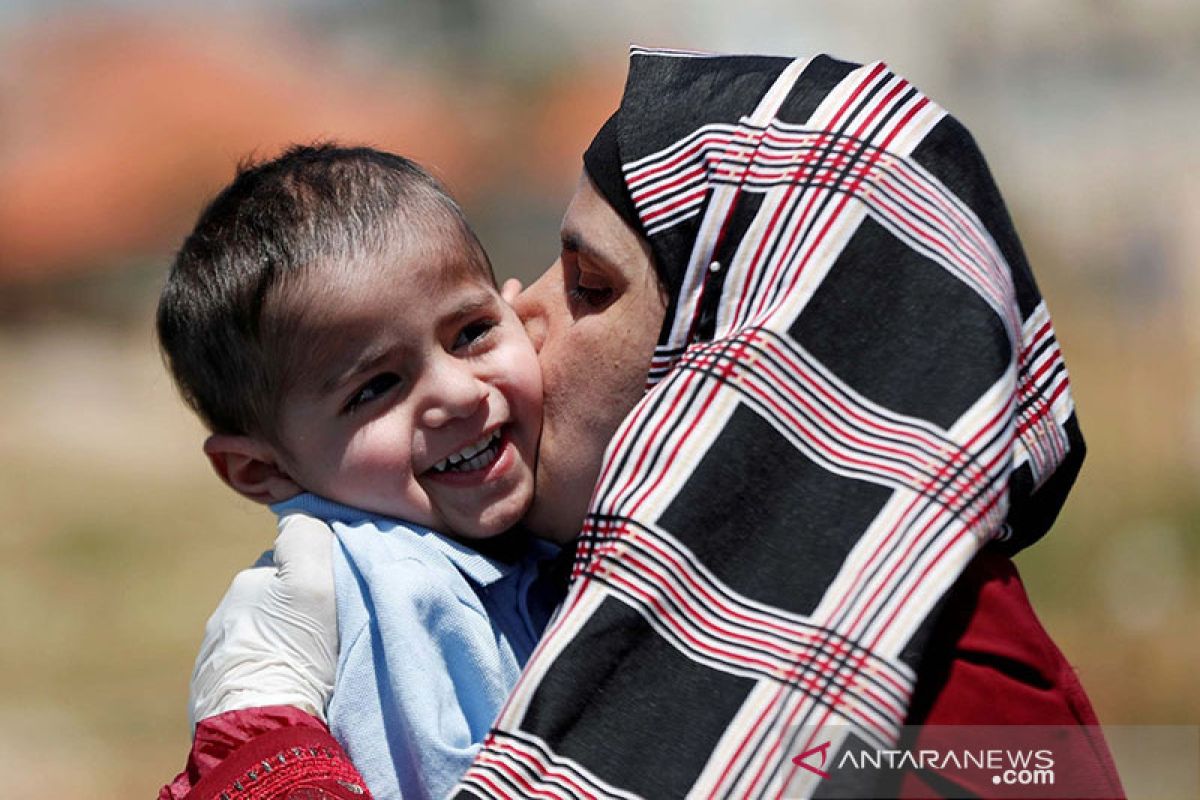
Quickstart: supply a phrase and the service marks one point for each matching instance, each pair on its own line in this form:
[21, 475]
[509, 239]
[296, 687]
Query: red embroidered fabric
[272, 753]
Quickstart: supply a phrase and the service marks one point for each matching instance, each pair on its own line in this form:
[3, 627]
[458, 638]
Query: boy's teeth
[471, 457]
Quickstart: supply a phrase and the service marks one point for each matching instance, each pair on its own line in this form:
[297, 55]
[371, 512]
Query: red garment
[990, 663]
[271, 753]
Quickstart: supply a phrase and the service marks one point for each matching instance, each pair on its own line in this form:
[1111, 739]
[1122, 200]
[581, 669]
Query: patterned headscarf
[857, 387]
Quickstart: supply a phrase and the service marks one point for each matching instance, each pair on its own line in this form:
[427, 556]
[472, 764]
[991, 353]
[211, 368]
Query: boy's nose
[455, 393]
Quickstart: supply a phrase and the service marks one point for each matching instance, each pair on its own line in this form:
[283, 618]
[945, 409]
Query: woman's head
[725, 186]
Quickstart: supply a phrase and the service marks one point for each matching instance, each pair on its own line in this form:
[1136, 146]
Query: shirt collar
[478, 568]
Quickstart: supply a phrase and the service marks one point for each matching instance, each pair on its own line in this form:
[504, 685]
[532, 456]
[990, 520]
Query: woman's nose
[456, 392]
[532, 306]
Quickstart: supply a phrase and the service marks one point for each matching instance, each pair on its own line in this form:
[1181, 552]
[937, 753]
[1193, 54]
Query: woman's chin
[555, 518]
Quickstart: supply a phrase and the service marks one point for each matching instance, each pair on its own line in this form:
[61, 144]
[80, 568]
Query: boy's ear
[250, 467]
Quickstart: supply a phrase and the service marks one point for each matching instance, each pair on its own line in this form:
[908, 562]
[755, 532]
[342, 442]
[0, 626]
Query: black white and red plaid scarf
[856, 388]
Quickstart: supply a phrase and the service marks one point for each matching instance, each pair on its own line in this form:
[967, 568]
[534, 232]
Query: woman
[855, 389]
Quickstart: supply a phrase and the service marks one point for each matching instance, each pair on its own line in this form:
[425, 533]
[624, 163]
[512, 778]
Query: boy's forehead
[358, 314]
[433, 256]
[435, 251]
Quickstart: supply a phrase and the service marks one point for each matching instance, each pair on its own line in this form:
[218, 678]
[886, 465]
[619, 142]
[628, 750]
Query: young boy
[335, 323]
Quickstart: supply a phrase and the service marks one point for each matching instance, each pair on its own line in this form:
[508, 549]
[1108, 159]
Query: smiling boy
[335, 323]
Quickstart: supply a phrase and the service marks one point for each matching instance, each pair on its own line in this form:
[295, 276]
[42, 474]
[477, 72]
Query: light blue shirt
[433, 636]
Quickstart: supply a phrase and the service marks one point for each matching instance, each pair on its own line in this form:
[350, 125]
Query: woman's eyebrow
[573, 242]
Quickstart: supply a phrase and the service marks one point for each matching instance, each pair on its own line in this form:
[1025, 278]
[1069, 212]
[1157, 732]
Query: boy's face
[418, 397]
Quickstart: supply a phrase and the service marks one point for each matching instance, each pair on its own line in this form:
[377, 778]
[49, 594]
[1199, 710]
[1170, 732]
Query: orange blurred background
[119, 119]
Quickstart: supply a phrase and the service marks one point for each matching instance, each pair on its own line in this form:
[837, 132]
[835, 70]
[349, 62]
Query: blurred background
[118, 119]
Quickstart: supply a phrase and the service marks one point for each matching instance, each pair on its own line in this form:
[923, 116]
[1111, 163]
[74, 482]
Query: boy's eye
[372, 390]
[472, 333]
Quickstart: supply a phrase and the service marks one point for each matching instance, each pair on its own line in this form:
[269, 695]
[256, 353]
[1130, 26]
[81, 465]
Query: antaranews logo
[1009, 767]
[968, 761]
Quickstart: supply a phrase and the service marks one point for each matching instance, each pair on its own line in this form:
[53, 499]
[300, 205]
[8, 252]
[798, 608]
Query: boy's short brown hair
[219, 326]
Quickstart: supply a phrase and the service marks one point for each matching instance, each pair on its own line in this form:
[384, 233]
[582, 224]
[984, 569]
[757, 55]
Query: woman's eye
[372, 390]
[591, 297]
[472, 333]
[585, 291]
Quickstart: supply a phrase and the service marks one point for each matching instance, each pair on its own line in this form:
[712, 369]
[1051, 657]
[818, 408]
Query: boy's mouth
[477, 455]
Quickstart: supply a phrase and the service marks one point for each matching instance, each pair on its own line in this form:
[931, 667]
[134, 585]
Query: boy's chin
[494, 520]
[489, 525]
